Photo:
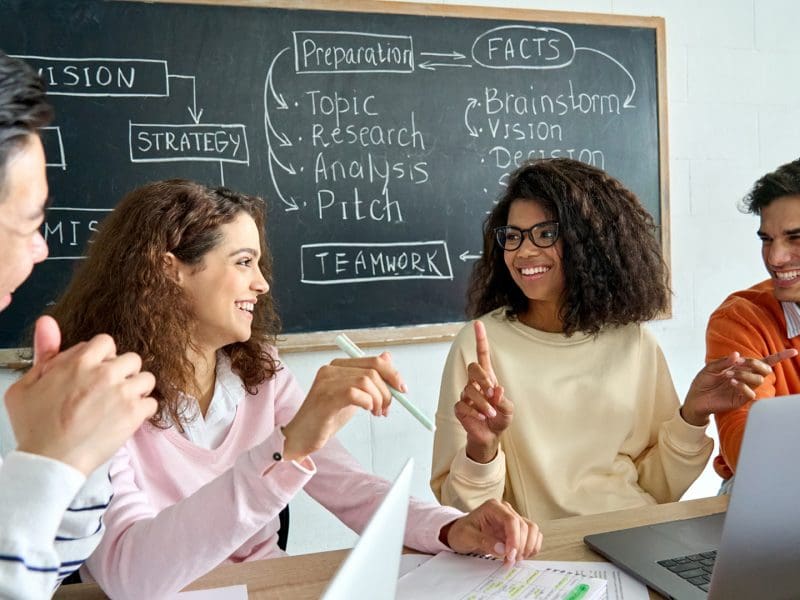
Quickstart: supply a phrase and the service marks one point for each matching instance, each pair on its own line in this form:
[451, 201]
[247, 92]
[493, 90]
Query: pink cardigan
[180, 510]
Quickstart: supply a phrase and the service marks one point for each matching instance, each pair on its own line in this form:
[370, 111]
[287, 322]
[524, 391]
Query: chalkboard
[379, 133]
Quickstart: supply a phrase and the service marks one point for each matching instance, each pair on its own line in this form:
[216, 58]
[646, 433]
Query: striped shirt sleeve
[50, 521]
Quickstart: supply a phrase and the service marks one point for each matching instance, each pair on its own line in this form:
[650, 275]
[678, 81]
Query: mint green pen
[349, 347]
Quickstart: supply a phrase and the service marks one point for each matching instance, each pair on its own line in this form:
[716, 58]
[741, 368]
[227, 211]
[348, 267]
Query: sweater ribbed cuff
[685, 435]
[465, 468]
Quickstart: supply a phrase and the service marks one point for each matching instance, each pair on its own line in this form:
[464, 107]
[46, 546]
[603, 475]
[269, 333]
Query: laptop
[372, 567]
[753, 551]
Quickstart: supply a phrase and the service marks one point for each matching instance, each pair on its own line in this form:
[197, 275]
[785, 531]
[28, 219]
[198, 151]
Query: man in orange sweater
[764, 319]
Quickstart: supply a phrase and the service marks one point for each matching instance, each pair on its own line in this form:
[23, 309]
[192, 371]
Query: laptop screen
[371, 568]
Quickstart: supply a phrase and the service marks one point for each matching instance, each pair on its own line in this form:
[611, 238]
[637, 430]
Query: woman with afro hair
[556, 398]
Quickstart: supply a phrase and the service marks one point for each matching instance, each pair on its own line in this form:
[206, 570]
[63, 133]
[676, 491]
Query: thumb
[46, 340]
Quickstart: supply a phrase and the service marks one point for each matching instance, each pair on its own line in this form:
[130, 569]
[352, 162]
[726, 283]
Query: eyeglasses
[542, 235]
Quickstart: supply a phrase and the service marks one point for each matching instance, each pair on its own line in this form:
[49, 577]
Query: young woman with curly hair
[180, 273]
[557, 399]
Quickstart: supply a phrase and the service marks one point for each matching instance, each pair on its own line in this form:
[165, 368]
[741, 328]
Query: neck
[205, 376]
[544, 316]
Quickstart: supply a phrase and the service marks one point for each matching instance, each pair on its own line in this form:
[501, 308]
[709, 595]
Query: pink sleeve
[149, 555]
[352, 494]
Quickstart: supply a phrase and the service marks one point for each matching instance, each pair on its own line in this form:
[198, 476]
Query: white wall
[733, 116]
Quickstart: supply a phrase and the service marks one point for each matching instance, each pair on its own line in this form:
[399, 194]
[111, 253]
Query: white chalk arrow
[465, 256]
[627, 103]
[289, 204]
[431, 66]
[193, 108]
[278, 97]
[472, 103]
[454, 55]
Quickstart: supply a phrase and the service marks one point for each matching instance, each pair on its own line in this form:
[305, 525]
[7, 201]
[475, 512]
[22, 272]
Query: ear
[172, 267]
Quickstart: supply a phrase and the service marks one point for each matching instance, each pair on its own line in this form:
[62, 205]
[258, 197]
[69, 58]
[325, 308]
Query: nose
[778, 254]
[260, 285]
[39, 249]
[527, 244]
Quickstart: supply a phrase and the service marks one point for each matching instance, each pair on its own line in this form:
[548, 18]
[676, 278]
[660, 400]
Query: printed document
[449, 575]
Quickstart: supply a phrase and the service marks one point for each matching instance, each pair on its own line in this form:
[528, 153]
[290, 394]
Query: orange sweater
[752, 323]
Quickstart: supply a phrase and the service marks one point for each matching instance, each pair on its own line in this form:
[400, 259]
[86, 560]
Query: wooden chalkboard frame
[380, 336]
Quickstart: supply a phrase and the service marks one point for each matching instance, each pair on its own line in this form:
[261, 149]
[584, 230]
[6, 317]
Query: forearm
[153, 555]
[34, 495]
[352, 494]
[668, 468]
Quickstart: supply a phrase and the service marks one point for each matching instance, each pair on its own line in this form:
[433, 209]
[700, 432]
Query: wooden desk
[304, 577]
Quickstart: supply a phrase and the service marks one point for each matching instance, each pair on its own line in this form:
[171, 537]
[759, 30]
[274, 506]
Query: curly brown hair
[613, 268]
[123, 288]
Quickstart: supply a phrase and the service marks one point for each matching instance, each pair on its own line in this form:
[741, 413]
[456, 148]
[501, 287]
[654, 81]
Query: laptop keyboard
[695, 568]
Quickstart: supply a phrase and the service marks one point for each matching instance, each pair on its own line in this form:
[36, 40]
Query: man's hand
[78, 406]
[727, 383]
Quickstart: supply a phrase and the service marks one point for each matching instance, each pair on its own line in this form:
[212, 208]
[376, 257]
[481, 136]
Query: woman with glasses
[556, 399]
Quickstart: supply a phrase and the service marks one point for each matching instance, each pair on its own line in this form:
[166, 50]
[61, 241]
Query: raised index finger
[482, 349]
[774, 359]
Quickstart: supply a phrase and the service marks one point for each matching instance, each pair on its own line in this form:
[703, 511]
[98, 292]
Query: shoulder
[758, 298]
[752, 310]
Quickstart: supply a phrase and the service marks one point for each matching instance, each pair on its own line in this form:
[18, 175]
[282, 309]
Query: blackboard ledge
[321, 340]
[380, 336]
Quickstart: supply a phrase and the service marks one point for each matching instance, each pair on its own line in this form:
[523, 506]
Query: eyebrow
[247, 250]
[795, 231]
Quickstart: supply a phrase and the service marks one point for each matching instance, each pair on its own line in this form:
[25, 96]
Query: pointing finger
[482, 349]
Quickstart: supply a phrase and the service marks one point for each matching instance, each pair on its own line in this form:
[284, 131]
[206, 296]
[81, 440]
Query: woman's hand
[727, 383]
[495, 528]
[483, 410]
[339, 389]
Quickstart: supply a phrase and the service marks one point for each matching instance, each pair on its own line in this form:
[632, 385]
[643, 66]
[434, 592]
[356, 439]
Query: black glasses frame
[500, 235]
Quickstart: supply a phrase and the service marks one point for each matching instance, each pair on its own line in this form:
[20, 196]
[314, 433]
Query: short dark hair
[23, 108]
[783, 181]
[613, 268]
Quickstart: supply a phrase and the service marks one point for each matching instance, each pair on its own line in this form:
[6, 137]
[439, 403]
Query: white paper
[233, 592]
[621, 586]
[409, 562]
[449, 575]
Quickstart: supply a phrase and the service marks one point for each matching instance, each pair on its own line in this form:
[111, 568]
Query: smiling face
[21, 214]
[780, 246]
[224, 289]
[538, 272]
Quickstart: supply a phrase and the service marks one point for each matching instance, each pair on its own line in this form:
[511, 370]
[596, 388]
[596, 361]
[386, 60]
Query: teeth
[248, 306]
[786, 275]
[534, 270]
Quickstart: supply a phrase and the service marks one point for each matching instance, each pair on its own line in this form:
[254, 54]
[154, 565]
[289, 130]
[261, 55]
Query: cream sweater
[596, 424]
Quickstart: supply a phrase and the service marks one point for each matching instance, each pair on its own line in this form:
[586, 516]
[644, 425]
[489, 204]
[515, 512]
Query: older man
[73, 409]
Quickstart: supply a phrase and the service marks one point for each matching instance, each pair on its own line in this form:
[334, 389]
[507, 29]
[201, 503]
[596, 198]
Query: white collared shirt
[791, 311]
[209, 432]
